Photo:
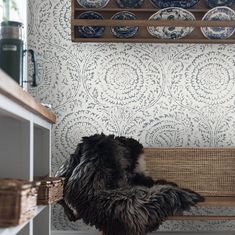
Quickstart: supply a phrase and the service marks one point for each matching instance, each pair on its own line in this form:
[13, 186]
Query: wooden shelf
[201, 6]
[177, 23]
[144, 37]
[153, 40]
[12, 90]
[115, 9]
[142, 22]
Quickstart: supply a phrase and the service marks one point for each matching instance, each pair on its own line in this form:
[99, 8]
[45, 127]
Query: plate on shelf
[93, 3]
[90, 31]
[130, 3]
[171, 32]
[216, 3]
[124, 31]
[174, 3]
[218, 14]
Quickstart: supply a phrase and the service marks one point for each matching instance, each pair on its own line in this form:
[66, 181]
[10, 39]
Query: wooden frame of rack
[142, 21]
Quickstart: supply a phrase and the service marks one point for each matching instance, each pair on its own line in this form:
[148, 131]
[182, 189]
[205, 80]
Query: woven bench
[208, 171]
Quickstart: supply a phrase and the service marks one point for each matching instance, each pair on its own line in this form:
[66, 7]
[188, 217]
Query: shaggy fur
[103, 187]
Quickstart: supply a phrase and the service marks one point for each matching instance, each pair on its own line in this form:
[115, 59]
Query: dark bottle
[11, 50]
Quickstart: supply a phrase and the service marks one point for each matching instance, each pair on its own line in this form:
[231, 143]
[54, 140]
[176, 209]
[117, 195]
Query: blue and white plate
[130, 3]
[219, 14]
[171, 32]
[217, 3]
[174, 3]
[93, 3]
[90, 31]
[124, 31]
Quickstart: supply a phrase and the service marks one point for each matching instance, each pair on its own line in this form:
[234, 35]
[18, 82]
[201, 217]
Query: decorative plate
[93, 3]
[174, 3]
[171, 32]
[130, 3]
[124, 31]
[216, 3]
[90, 31]
[218, 13]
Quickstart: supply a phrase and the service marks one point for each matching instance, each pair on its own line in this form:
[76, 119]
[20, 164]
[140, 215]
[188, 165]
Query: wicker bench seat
[208, 171]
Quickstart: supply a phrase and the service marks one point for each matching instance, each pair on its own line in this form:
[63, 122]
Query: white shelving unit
[25, 152]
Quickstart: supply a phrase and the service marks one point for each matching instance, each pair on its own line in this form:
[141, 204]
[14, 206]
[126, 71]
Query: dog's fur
[104, 187]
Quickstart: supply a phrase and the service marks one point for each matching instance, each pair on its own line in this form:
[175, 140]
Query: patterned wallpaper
[163, 95]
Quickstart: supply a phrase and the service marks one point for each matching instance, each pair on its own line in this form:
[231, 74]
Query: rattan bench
[208, 171]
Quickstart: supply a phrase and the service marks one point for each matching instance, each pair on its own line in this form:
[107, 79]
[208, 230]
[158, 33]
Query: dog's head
[136, 154]
[114, 153]
[106, 151]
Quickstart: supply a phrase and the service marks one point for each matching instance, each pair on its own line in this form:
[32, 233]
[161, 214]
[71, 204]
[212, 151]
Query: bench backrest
[209, 171]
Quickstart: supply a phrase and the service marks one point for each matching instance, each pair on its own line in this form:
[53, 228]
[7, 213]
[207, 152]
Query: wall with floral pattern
[163, 95]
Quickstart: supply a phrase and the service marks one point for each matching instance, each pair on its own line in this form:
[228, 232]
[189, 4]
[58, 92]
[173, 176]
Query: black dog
[104, 187]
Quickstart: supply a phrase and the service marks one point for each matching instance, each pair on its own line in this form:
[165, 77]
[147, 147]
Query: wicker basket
[50, 190]
[18, 200]
[209, 171]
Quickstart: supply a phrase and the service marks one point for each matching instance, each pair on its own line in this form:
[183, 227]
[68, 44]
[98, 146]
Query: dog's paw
[196, 197]
[71, 217]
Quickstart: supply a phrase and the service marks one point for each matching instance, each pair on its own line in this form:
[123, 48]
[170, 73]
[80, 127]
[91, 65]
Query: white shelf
[15, 229]
[25, 148]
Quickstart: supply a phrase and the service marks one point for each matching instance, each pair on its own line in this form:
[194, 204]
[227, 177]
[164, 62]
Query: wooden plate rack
[142, 21]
